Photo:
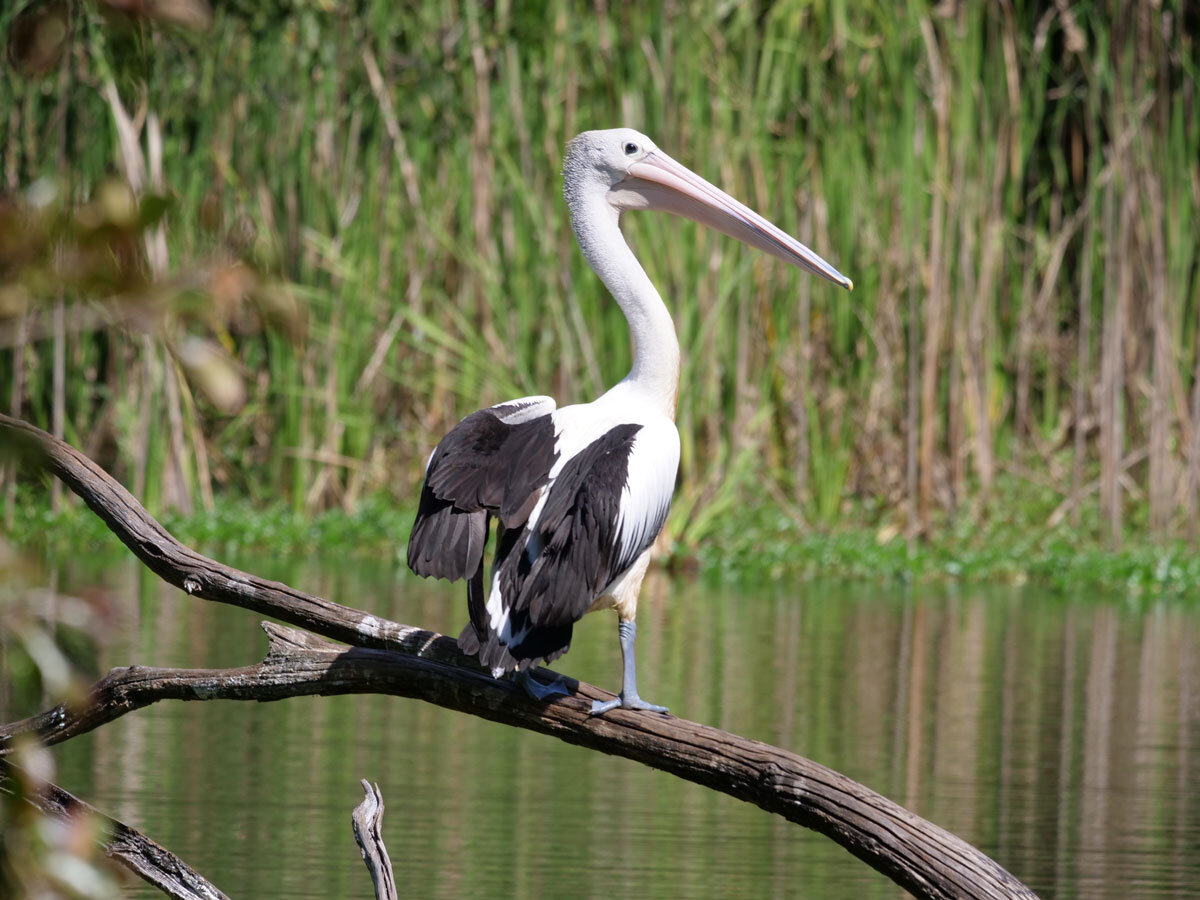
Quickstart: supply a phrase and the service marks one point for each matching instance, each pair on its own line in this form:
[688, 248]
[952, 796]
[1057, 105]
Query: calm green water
[1062, 736]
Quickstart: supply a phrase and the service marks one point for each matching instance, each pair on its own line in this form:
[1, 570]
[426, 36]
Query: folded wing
[497, 461]
[603, 509]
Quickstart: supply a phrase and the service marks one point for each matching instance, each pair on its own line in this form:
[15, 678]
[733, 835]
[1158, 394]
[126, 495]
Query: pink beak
[658, 182]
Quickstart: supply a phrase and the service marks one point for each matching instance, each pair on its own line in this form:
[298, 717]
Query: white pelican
[580, 493]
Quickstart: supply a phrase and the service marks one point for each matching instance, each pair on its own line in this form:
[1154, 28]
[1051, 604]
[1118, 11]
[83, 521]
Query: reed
[1015, 190]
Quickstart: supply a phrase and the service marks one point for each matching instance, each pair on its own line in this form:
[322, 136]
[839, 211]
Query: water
[1060, 735]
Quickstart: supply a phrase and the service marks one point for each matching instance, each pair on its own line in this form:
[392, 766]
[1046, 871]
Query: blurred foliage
[94, 252]
[38, 37]
[91, 249]
[85, 259]
[43, 857]
[47, 656]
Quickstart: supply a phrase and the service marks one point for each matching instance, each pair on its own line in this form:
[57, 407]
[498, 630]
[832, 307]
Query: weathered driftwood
[923, 858]
[152, 862]
[367, 820]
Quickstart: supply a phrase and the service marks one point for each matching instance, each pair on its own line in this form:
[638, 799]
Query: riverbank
[1009, 545]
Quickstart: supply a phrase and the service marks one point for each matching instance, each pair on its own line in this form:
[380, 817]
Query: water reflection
[1059, 735]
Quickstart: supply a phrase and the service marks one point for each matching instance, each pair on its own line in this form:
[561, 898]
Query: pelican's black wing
[495, 461]
[576, 535]
[602, 511]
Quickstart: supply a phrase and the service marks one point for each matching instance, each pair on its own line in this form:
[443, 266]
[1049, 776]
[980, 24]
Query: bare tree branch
[196, 574]
[150, 861]
[921, 857]
[368, 824]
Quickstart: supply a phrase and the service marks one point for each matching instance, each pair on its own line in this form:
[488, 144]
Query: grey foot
[632, 702]
[539, 691]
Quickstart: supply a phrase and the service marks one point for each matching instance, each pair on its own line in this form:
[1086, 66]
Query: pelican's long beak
[658, 182]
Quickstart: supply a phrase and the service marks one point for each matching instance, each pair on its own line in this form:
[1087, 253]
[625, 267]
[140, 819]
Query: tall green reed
[957, 161]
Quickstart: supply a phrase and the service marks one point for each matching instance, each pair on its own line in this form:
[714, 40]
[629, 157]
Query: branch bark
[921, 857]
[198, 575]
[148, 860]
[367, 820]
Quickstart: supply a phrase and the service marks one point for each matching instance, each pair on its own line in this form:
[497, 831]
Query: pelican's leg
[629, 698]
[539, 691]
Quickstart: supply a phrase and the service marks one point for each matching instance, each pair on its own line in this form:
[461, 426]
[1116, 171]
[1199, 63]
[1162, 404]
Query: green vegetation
[1016, 193]
[758, 545]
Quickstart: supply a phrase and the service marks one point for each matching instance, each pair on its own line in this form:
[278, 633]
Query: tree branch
[150, 861]
[198, 575]
[368, 824]
[921, 857]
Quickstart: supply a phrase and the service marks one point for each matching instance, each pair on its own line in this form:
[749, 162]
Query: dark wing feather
[484, 465]
[446, 541]
[575, 548]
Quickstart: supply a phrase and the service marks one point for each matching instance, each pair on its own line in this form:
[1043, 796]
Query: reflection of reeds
[1013, 190]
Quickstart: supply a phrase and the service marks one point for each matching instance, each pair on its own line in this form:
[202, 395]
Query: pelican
[579, 493]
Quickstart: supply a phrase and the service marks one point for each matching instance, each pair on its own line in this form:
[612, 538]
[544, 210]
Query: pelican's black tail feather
[540, 645]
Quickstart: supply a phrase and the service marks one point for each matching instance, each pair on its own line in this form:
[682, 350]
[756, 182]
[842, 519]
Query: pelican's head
[602, 159]
[628, 170]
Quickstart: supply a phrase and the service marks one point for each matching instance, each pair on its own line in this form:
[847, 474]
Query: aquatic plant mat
[390, 658]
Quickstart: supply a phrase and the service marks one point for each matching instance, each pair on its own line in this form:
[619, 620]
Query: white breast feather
[653, 464]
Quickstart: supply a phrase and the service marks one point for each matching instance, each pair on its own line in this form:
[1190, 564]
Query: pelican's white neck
[655, 372]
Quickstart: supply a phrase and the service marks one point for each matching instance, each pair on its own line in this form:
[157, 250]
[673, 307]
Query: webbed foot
[631, 702]
[539, 691]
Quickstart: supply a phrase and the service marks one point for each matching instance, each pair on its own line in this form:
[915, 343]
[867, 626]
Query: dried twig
[368, 823]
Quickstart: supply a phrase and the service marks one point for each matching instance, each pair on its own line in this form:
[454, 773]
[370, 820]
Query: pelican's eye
[631, 148]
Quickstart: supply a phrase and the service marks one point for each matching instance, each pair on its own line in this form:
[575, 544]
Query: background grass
[1014, 189]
